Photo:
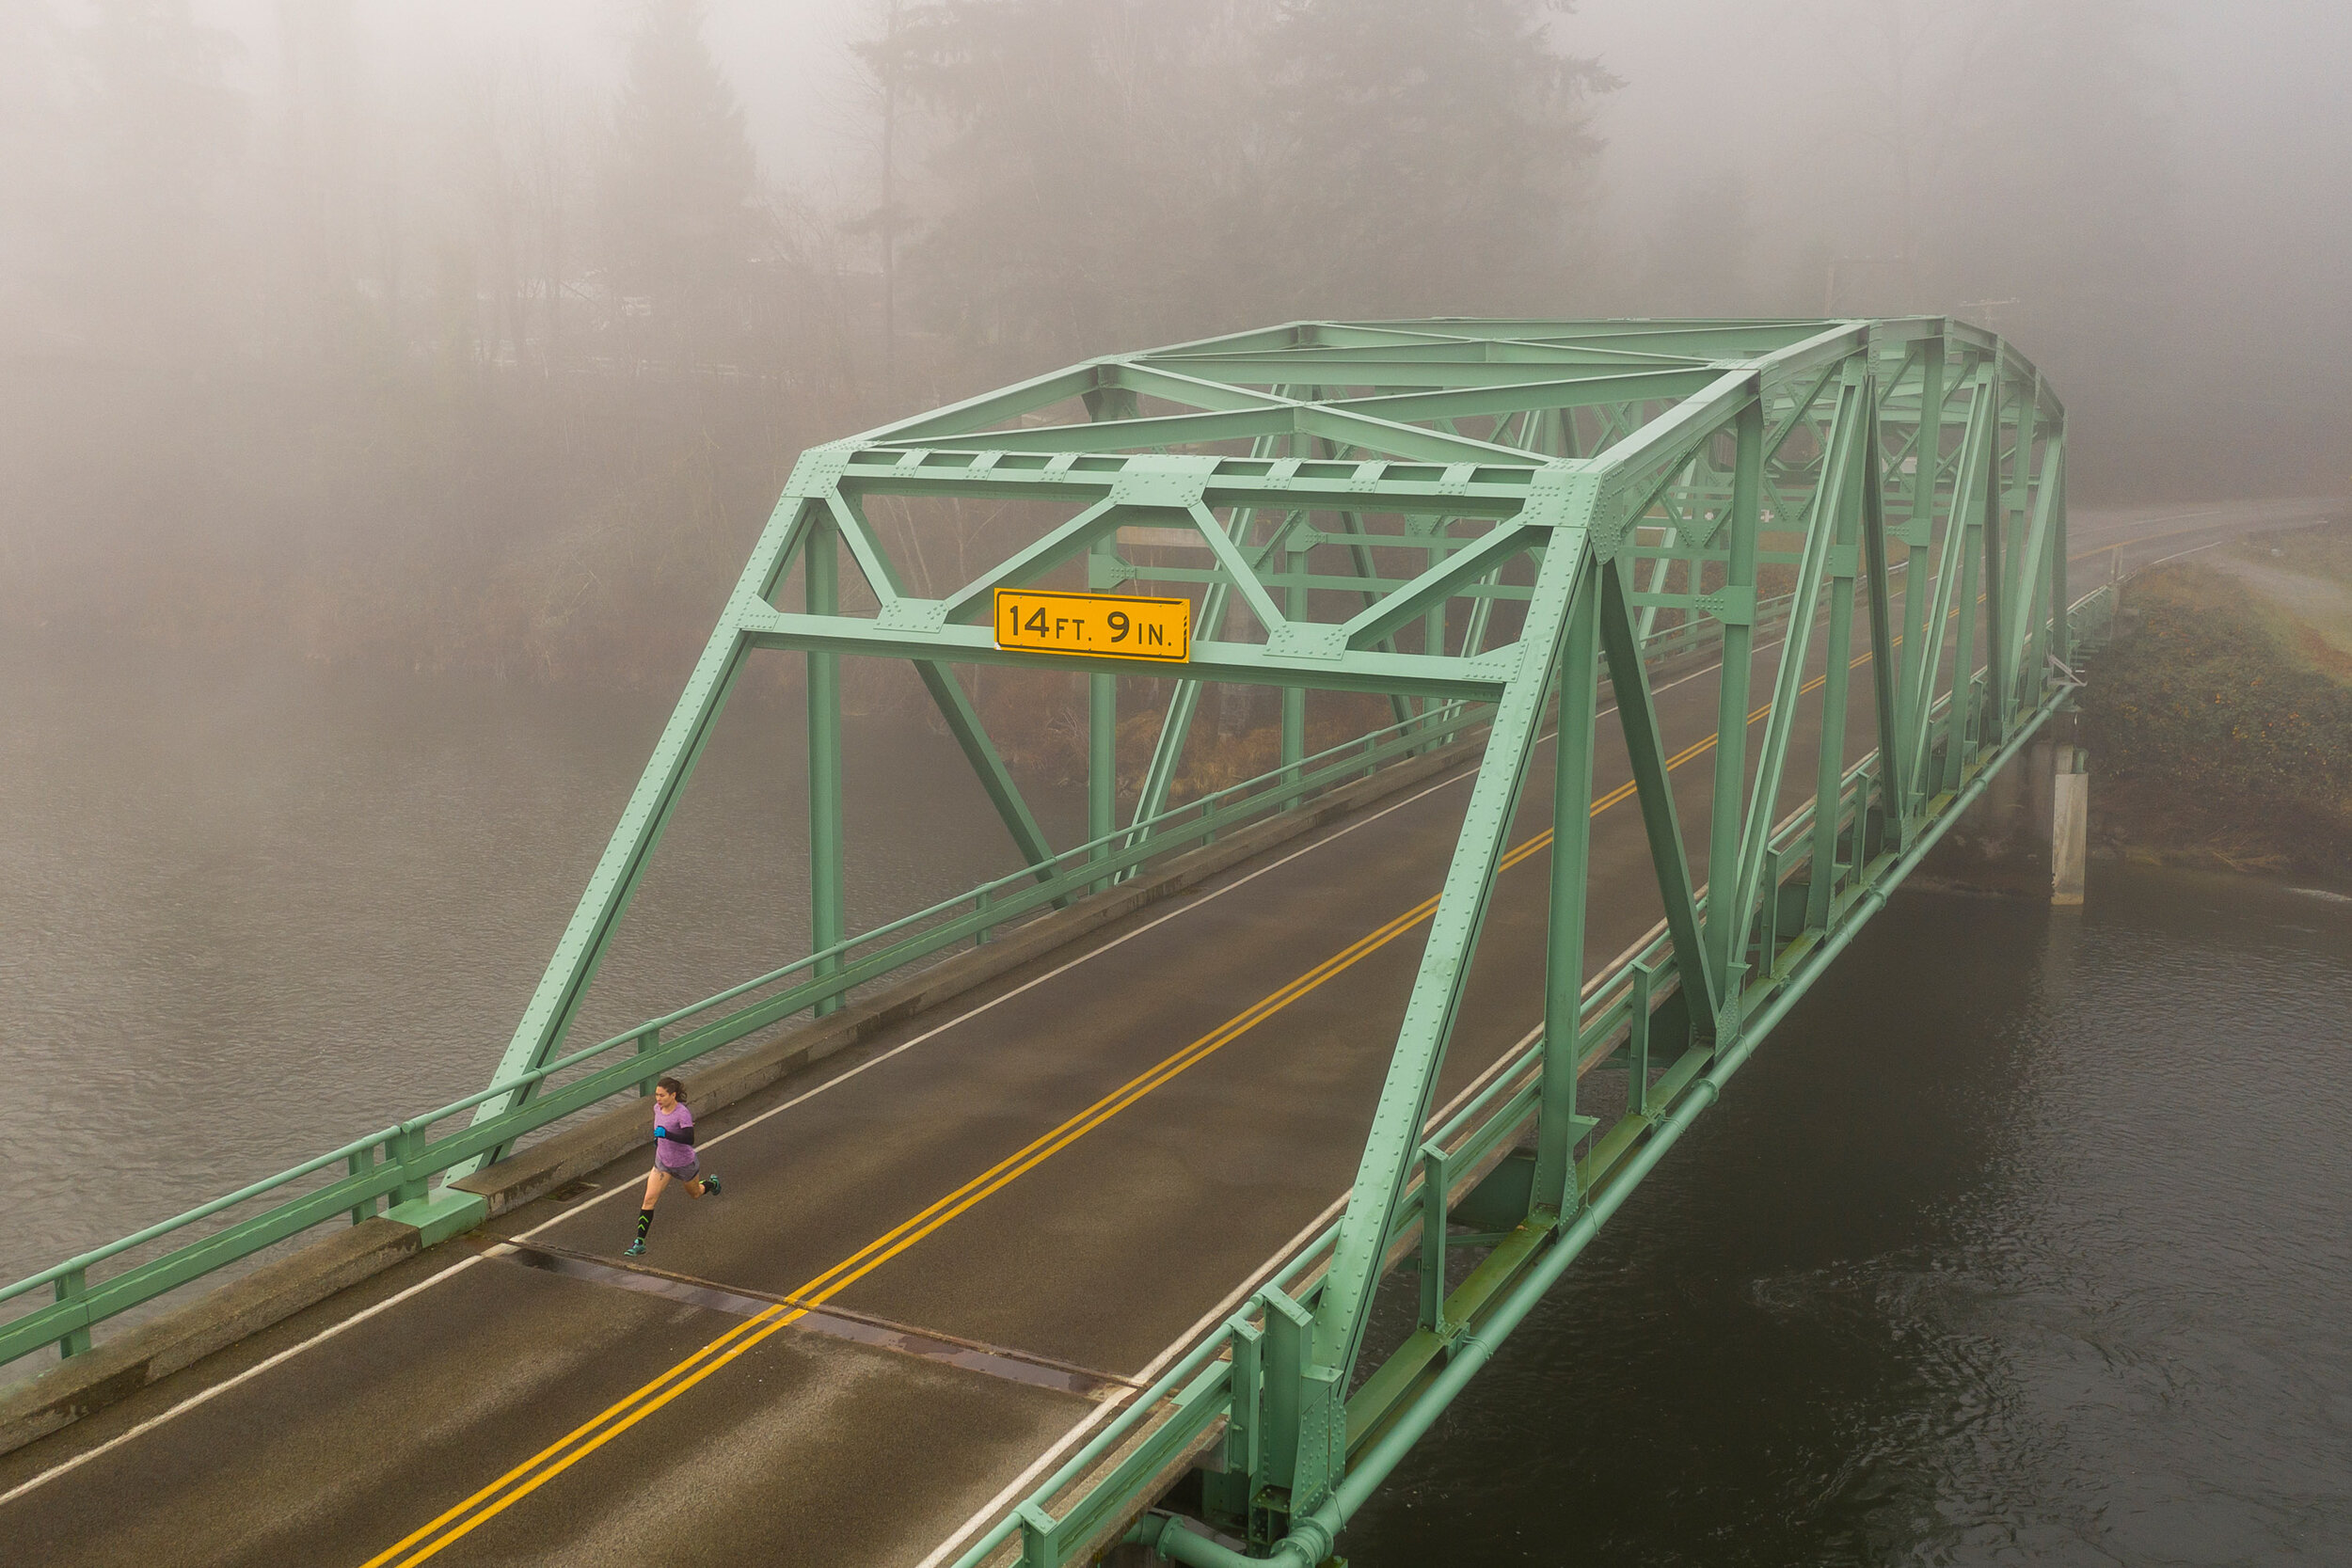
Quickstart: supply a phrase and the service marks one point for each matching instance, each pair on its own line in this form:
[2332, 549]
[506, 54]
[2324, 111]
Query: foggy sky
[1775, 94]
[1751, 167]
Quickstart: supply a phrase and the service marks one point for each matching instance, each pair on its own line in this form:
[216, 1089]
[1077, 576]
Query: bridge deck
[1073, 1171]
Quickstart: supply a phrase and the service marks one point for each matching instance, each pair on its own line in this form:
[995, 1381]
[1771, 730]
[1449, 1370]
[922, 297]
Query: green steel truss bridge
[1823, 561]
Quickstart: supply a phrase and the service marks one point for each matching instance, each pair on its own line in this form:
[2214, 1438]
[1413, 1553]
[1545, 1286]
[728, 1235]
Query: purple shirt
[667, 1154]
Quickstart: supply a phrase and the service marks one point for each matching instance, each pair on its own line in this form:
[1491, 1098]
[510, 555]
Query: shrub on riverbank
[2211, 738]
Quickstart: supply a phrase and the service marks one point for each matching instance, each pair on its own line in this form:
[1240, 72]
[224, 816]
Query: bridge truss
[1477, 521]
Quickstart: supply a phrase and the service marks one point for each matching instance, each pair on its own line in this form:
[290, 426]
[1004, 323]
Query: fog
[478, 337]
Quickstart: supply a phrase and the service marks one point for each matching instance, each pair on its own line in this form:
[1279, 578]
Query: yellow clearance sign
[1105, 626]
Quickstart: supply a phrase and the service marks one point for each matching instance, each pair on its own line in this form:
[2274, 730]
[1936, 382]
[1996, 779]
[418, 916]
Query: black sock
[645, 1223]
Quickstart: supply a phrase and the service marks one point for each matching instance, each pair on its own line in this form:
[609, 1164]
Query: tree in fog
[1430, 159]
[142, 175]
[2016, 163]
[1114, 175]
[1093, 173]
[682, 221]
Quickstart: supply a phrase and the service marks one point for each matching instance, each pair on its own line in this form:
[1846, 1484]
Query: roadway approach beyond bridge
[1011, 1212]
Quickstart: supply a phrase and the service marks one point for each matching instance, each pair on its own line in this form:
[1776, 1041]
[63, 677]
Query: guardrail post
[828, 921]
[405, 1147]
[1294, 697]
[1037, 1549]
[980, 903]
[648, 1041]
[1865, 789]
[1557, 1124]
[72, 1285]
[1227, 1493]
[1102, 727]
[1637, 1041]
[1305, 1439]
[1435, 1180]
[361, 1162]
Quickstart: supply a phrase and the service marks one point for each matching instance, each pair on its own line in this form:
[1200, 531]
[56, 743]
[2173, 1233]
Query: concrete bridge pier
[2070, 825]
[2028, 835]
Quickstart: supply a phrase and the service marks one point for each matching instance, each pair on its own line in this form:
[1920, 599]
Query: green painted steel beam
[1471, 442]
[1247, 663]
[1462, 904]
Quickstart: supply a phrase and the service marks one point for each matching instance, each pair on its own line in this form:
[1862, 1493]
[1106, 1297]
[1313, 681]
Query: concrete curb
[153, 1350]
[606, 1137]
[276, 1291]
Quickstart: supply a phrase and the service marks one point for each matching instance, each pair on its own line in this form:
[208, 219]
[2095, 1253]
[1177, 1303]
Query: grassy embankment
[2219, 721]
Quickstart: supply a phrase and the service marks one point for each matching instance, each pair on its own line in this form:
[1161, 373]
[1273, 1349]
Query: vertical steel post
[1101, 729]
[1297, 543]
[1726, 924]
[1998, 615]
[648, 1041]
[1969, 531]
[1837, 654]
[359, 1163]
[1637, 1040]
[2054, 475]
[2028, 635]
[73, 1285]
[1436, 1177]
[828, 919]
[1556, 1126]
[1919, 532]
[1894, 785]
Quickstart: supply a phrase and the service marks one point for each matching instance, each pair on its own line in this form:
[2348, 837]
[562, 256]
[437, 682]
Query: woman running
[674, 1158]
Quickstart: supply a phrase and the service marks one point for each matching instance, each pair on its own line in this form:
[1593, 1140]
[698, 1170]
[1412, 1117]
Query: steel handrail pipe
[438, 1159]
[1602, 995]
[1268, 781]
[203, 1210]
[1310, 1539]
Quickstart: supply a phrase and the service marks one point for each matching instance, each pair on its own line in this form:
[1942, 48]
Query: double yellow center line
[457, 1521]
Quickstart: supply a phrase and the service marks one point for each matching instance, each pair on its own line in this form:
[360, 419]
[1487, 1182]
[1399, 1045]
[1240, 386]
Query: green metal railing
[1218, 1381]
[1453, 455]
[396, 1163]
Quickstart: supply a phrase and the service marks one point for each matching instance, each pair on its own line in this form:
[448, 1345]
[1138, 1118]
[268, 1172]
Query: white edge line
[290, 1352]
[2177, 555]
[226, 1384]
[1101, 1413]
[1206, 1323]
[193, 1400]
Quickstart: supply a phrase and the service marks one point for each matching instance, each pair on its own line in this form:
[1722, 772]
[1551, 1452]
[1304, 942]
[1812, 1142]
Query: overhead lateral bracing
[1451, 512]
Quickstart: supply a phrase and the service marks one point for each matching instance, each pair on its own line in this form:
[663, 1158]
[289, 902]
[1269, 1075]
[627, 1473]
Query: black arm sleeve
[683, 1135]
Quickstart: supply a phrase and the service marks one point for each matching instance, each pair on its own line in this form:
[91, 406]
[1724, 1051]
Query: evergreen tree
[1115, 174]
[682, 220]
[1432, 155]
[143, 250]
[1095, 171]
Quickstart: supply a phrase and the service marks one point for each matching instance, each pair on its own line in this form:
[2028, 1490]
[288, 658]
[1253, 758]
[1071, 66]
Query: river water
[2028, 1237]
[250, 912]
